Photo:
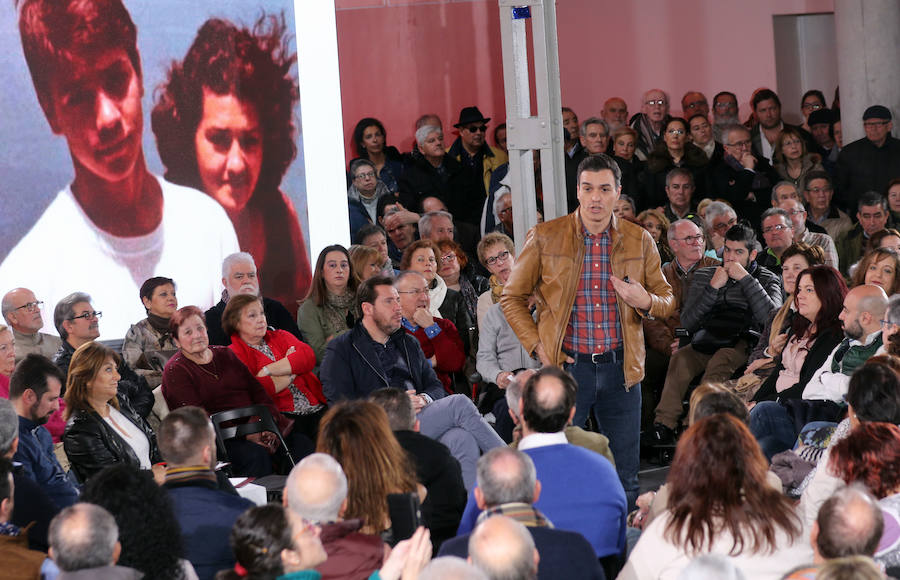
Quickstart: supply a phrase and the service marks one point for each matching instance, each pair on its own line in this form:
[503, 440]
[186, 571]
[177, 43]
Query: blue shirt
[35, 453]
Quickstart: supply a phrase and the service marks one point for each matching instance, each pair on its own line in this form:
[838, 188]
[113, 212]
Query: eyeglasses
[740, 144]
[775, 228]
[88, 315]
[695, 104]
[413, 291]
[30, 306]
[675, 131]
[887, 323]
[691, 239]
[725, 225]
[448, 258]
[365, 175]
[477, 128]
[796, 211]
[655, 103]
[813, 106]
[501, 257]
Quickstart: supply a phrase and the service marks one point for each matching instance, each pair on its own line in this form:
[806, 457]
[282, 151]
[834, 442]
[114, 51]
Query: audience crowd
[724, 296]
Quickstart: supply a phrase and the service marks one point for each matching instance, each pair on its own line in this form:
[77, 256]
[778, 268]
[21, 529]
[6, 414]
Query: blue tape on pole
[520, 12]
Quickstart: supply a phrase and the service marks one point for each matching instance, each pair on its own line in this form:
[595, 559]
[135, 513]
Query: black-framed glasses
[477, 128]
[501, 257]
[30, 306]
[88, 315]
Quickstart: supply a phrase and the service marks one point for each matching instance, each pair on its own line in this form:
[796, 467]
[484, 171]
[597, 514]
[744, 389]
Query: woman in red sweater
[281, 363]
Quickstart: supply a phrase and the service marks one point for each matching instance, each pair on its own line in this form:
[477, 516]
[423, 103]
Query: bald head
[83, 536]
[548, 401]
[18, 315]
[316, 488]
[864, 308]
[505, 475]
[849, 523]
[503, 548]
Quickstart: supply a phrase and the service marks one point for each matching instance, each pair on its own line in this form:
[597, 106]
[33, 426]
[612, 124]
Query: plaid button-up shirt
[594, 323]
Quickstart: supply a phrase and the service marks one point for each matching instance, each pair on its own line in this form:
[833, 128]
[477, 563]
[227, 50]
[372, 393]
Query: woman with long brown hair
[357, 434]
[720, 503]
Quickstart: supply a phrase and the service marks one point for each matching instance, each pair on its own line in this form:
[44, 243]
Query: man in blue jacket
[378, 353]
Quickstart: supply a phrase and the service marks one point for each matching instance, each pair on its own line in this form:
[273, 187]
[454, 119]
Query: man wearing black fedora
[478, 159]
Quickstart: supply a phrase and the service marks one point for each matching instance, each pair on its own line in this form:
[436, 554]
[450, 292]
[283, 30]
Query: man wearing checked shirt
[594, 277]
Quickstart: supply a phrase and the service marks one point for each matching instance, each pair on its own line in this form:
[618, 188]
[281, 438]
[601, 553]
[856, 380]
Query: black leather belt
[599, 358]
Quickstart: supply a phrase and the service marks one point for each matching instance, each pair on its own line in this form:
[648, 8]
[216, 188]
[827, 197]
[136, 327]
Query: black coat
[451, 184]
[659, 163]
[91, 444]
[821, 348]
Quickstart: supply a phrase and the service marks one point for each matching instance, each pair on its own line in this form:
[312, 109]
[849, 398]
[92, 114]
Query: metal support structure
[526, 132]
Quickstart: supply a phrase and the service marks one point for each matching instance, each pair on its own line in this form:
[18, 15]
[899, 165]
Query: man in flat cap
[868, 164]
[478, 159]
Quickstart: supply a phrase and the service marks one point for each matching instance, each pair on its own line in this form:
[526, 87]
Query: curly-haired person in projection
[224, 124]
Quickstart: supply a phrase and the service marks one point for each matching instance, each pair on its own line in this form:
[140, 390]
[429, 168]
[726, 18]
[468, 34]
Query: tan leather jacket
[549, 266]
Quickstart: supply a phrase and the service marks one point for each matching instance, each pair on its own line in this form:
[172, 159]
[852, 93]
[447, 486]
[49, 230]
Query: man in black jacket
[378, 353]
[436, 468]
[868, 164]
[722, 306]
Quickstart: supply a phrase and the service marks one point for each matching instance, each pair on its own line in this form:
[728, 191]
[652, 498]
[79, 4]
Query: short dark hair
[368, 230]
[398, 407]
[764, 95]
[817, 175]
[871, 198]
[151, 284]
[742, 232]
[840, 530]
[183, 433]
[599, 162]
[548, 413]
[357, 163]
[32, 373]
[367, 293]
[720, 401]
[874, 393]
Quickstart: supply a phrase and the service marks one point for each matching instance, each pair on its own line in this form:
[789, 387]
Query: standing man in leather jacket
[594, 277]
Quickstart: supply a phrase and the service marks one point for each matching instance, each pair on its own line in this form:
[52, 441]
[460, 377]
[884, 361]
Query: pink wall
[402, 58]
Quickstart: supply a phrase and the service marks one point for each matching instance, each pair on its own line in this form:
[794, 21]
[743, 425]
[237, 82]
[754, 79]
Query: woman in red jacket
[281, 363]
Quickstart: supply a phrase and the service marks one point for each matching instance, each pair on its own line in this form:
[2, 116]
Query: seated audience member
[768, 125]
[719, 217]
[624, 208]
[102, 427]
[818, 193]
[464, 234]
[710, 511]
[370, 143]
[365, 262]
[22, 312]
[657, 224]
[791, 160]
[32, 506]
[871, 216]
[15, 557]
[329, 311]
[778, 232]
[673, 150]
[374, 236]
[649, 123]
[624, 140]
[679, 192]
[821, 125]
[363, 194]
[438, 337]
[722, 308]
[868, 455]
[742, 178]
[497, 253]
[357, 434]
[702, 137]
[687, 242]
[455, 271]
[7, 359]
[502, 209]
[803, 234]
[282, 364]
[796, 388]
[204, 507]
[316, 491]
[879, 267]
[377, 353]
[508, 486]
[224, 124]
[869, 163]
[873, 396]
[400, 226]
[84, 543]
[615, 113]
[148, 345]
[214, 379]
[888, 238]
[694, 102]
[422, 257]
[34, 394]
[239, 276]
[502, 548]
[594, 138]
[148, 531]
[78, 324]
[761, 362]
[570, 475]
[430, 171]
[596, 442]
[725, 112]
[850, 523]
[811, 101]
[436, 468]
[786, 190]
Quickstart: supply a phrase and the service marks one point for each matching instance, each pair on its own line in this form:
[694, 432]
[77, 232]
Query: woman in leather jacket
[101, 426]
